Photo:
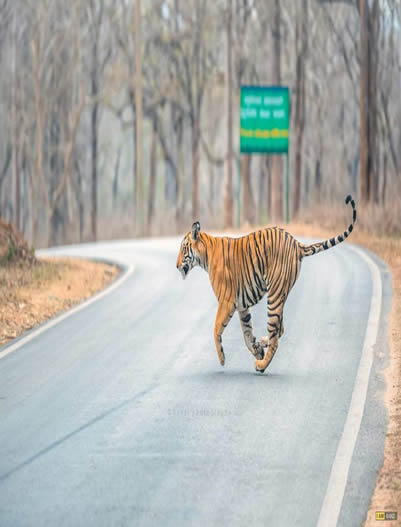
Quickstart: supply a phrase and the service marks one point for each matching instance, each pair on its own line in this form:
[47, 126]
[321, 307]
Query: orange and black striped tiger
[242, 270]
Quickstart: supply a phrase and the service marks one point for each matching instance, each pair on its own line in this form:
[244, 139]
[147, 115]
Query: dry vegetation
[31, 294]
[13, 247]
[32, 290]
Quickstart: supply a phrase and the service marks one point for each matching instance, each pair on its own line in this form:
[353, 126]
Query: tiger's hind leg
[264, 341]
[274, 324]
[224, 313]
[246, 324]
[275, 305]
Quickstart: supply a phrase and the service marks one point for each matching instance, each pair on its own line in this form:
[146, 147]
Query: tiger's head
[189, 254]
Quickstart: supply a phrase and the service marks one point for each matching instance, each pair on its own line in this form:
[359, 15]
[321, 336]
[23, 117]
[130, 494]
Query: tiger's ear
[195, 230]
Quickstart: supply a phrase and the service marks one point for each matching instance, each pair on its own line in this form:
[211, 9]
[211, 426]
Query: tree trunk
[297, 175]
[178, 137]
[179, 213]
[94, 148]
[276, 189]
[116, 177]
[94, 138]
[262, 190]
[7, 161]
[32, 196]
[49, 218]
[373, 37]
[228, 175]
[384, 185]
[369, 20]
[80, 201]
[139, 136]
[195, 170]
[248, 203]
[152, 182]
[276, 165]
[318, 179]
[363, 103]
[301, 50]
[16, 178]
[39, 175]
[70, 224]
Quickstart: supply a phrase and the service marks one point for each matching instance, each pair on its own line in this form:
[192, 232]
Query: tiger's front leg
[224, 313]
[246, 324]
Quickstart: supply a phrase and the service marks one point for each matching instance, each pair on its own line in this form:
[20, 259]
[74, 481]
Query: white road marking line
[47, 325]
[333, 499]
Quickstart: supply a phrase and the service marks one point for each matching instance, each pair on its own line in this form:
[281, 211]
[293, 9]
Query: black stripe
[255, 274]
[259, 258]
[325, 246]
[247, 318]
[340, 238]
[350, 228]
[332, 241]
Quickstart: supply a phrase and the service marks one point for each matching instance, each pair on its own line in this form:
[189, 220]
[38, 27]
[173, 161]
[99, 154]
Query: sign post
[265, 124]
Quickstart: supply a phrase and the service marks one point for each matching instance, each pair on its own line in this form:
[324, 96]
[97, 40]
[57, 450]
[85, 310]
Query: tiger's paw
[222, 358]
[259, 366]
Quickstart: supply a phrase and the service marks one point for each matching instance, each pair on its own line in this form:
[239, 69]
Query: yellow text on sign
[265, 134]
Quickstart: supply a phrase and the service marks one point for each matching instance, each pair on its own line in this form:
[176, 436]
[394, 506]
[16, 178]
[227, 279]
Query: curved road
[120, 414]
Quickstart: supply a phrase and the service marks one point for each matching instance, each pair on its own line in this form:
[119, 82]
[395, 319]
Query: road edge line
[126, 273]
[332, 503]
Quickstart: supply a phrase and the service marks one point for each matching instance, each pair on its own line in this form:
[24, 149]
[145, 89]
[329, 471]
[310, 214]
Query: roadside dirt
[31, 293]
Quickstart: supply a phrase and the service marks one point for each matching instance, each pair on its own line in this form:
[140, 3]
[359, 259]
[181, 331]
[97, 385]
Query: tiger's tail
[309, 250]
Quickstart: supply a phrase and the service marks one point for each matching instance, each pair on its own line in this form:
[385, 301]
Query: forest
[120, 118]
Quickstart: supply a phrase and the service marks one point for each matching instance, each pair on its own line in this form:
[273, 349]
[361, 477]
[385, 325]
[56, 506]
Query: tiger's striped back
[243, 269]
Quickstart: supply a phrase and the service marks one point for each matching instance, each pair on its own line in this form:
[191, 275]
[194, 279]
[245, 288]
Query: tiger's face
[188, 255]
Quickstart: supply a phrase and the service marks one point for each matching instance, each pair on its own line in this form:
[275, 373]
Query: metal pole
[239, 192]
[287, 186]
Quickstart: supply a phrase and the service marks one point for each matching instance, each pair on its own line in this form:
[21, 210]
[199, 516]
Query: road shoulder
[387, 493]
[31, 295]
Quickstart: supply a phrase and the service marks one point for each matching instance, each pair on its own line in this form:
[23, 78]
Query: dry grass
[372, 219]
[31, 294]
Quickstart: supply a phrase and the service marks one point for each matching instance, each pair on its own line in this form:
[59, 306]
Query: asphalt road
[120, 414]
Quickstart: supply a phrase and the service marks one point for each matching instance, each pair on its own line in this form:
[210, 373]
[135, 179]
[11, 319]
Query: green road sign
[265, 119]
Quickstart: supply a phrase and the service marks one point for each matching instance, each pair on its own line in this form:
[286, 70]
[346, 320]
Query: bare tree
[152, 181]
[248, 207]
[44, 49]
[139, 127]
[301, 43]
[16, 177]
[228, 175]
[276, 163]
[99, 57]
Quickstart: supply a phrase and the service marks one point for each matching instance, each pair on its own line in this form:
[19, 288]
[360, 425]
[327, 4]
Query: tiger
[242, 270]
